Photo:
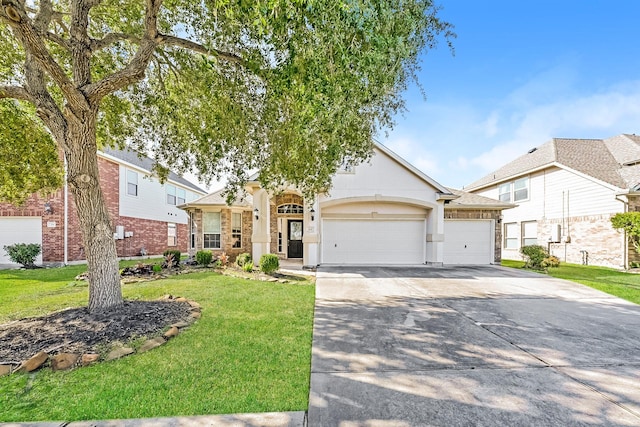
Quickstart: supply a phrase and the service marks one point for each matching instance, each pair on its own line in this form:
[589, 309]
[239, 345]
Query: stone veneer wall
[225, 236]
[593, 233]
[481, 214]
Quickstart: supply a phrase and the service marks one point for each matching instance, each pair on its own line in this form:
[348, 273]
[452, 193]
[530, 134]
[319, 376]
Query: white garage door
[468, 242]
[346, 241]
[19, 230]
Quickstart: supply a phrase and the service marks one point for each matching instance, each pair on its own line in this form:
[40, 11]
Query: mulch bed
[78, 331]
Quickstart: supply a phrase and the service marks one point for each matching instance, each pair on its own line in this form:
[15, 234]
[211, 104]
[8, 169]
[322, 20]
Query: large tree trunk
[84, 181]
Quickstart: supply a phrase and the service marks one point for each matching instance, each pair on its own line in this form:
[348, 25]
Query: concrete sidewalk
[470, 346]
[275, 419]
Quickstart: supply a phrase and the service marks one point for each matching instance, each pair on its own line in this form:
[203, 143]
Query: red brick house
[143, 213]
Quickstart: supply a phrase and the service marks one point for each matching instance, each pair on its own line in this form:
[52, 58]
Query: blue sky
[523, 72]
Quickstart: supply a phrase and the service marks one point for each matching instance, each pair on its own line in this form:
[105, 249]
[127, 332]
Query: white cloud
[415, 153]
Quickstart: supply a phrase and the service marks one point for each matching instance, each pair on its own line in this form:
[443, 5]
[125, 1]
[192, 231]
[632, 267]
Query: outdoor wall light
[313, 214]
[256, 213]
[48, 208]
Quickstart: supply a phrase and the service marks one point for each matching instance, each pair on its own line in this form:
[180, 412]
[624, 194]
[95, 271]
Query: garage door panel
[19, 230]
[348, 241]
[468, 242]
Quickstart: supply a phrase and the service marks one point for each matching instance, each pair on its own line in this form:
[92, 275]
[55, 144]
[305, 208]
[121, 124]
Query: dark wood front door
[294, 239]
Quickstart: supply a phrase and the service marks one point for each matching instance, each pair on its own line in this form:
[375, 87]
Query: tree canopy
[287, 87]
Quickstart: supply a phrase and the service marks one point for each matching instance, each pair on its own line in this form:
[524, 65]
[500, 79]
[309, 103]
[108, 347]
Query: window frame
[290, 209]
[508, 238]
[523, 235]
[502, 193]
[210, 237]
[171, 194]
[525, 188]
[131, 173]
[172, 237]
[236, 230]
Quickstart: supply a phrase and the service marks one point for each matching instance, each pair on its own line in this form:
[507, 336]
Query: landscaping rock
[181, 299]
[64, 361]
[194, 304]
[151, 344]
[196, 314]
[5, 370]
[172, 332]
[165, 297]
[34, 363]
[273, 280]
[89, 358]
[119, 352]
[180, 325]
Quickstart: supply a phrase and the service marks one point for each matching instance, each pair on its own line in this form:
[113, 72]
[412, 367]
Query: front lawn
[619, 283]
[249, 352]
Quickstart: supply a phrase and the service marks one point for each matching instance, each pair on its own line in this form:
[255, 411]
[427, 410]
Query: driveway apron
[481, 346]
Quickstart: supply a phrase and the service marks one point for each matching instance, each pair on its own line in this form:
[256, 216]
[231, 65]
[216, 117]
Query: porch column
[260, 237]
[435, 236]
[310, 235]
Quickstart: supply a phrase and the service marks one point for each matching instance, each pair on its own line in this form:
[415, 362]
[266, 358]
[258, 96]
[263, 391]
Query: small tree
[630, 223]
[23, 253]
[534, 255]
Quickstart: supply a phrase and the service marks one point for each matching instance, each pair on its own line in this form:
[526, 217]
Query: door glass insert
[295, 230]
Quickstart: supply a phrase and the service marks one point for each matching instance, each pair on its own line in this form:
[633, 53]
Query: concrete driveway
[477, 346]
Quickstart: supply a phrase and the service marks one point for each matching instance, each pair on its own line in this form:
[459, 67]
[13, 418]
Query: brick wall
[481, 214]
[226, 237]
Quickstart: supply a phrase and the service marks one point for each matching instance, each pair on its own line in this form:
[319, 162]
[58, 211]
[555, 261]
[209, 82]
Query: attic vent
[631, 163]
[532, 150]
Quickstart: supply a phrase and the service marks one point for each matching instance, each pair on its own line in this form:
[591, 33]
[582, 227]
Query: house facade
[384, 212]
[143, 213]
[566, 192]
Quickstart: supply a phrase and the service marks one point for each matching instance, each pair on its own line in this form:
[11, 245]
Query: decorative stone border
[67, 361]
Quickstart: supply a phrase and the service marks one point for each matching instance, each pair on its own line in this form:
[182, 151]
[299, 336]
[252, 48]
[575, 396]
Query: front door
[294, 241]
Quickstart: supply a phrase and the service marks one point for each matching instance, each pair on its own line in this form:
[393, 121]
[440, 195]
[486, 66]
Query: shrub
[223, 258]
[244, 259]
[174, 261]
[550, 261]
[23, 253]
[269, 263]
[248, 267]
[204, 257]
[534, 255]
[157, 268]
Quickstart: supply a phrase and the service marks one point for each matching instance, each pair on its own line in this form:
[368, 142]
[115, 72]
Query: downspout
[66, 215]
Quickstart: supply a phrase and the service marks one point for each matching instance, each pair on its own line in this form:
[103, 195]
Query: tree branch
[58, 40]
[196, 47]
[15, 92]
[112, 38]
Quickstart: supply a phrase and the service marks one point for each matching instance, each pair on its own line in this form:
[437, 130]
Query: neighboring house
[143, 213]
[384, 212]
[566, 191]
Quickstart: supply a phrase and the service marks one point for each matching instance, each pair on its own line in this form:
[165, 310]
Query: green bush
[204, 257]
[269, 263]
[244, 259]
[157, 268]
[550, 261]
[248, 267]
[175, 257]
[23, 253]
[534, 255]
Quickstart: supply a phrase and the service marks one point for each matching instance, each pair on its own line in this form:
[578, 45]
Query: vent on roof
[532, 150]
[631, 163]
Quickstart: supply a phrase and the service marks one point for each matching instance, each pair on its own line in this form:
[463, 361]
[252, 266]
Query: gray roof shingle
[603, 159]
[474, 201]
[218, 198]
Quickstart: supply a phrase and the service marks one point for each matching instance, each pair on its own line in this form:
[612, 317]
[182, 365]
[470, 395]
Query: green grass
[614, 282]
[249, 352]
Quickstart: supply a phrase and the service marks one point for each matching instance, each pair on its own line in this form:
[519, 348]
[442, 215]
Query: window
[172, 236]
[236, 229]
[171, 194]
[504, 192]
[181, 196]
[211, 230]
[192, 230]
[529, 233]
[290, 209]
[517, 190]
[511, 236]
[132, 183]
[521, 189]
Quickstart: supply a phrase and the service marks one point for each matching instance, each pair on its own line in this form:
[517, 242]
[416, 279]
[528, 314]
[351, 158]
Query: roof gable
[612, 161]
